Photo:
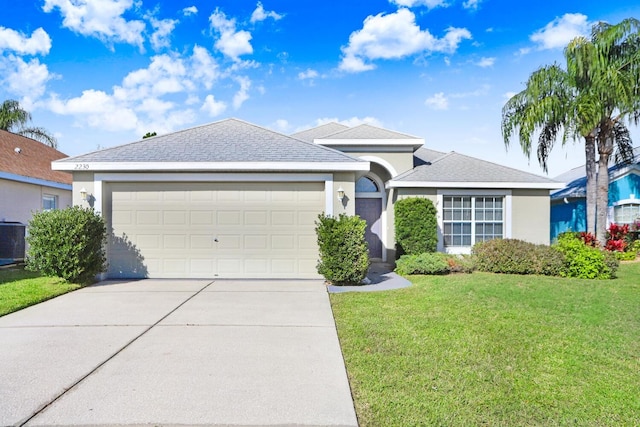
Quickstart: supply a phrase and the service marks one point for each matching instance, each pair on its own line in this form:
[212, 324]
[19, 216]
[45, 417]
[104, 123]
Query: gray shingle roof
[229, 140]
[455, 167]
[576, 179]
[424, 155]
[365, 131]
[320, 132]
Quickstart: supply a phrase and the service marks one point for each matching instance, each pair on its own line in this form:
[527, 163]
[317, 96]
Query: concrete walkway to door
[176, 352]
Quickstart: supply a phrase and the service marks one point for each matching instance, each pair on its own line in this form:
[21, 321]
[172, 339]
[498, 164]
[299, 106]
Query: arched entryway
[369, 206]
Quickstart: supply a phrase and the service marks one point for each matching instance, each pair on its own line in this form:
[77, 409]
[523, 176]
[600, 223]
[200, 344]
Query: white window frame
[506, 217]
[621, 203]
[52, 197]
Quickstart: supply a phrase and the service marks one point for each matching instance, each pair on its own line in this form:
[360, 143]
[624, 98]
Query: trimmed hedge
[416, 226]
[67, 243]
[425, 263]
[344, 253]
[583, 261]
[514, 256]
[433, 263]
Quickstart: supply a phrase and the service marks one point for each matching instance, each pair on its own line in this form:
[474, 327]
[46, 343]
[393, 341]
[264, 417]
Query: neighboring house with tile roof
[232, 199]
[27, 182]
[568, 204]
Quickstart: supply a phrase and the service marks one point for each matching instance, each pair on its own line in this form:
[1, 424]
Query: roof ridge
[502, 166]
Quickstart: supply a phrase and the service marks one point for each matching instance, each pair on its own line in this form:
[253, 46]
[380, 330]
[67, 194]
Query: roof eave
[479, 184]
[209, 166]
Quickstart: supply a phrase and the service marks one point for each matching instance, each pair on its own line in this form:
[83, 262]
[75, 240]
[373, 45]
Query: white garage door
[209, 230]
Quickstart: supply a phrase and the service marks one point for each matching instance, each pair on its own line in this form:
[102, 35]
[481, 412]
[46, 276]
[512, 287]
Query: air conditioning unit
[12, 241]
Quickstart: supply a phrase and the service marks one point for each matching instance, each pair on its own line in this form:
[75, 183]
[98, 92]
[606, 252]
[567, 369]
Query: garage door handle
[215, 239]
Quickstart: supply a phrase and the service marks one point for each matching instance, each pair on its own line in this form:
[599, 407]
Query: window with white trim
[49, 202]
[626, 213]
[471, 219]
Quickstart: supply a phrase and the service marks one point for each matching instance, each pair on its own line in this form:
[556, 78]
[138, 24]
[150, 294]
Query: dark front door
[370, 210]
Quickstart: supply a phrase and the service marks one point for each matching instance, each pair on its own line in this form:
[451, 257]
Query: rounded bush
[416, 226]
[344, 253]
[585, 262]
[513, 256]
[67, 243]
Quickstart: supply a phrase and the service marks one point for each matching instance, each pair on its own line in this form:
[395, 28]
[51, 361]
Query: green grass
[499, 350]
[20, 289]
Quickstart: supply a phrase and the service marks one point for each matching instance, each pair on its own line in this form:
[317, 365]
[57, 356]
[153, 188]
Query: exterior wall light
[340, 193]
[83, 194]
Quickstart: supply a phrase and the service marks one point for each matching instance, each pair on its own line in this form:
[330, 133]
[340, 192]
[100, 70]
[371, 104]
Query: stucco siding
[530, 216]
[623, 188]
[20, 200]
[401, 162]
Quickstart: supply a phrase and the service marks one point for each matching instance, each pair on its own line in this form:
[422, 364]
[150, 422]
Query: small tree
[416, 226]
[344, 253]
[67, 243]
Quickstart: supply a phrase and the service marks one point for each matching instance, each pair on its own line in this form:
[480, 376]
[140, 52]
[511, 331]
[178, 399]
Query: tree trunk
[605, 149]
[590, 169]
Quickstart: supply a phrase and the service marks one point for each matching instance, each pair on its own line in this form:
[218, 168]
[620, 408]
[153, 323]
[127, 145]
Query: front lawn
[20, 289]
[488, 349]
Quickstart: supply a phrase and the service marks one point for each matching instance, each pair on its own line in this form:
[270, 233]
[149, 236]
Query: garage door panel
[259, 218]
[225, 218]
[204, 241]
[283, 241]
[264, 230]
[151, 217]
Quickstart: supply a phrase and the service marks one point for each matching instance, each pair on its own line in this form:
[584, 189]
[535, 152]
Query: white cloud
[99, 109]
[559, 32]
[146, 98]
[212, 107]
[393, 36]
[282, 125]
[437, 102]
[38, 43]
[163, 29]
[204, 67]
[483, 90]
[243, 93]
[428, 3]
[471, 4]
[26, 80]
[485, 62]
[99, 18]
[231, 42]
[191, 10]
[260, 14]
[309, 74]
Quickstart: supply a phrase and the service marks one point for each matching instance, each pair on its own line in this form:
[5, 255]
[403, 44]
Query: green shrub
[461, 263]
[344, 253]
[67, 243]
[626, 255]
[514, 256]
[584, 261]
[425, 263]
[416, 226]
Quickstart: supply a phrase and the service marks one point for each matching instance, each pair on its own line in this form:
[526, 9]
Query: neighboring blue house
[568, 205]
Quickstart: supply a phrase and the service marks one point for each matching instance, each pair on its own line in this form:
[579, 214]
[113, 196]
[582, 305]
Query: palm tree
[13, 118]
[590, 100]
[608, 75]
[550, 105]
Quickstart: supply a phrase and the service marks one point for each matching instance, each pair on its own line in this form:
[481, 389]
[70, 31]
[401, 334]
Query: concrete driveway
[176, 352]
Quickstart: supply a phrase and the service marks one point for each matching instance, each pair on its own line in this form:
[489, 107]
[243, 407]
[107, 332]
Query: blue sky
[99, 73]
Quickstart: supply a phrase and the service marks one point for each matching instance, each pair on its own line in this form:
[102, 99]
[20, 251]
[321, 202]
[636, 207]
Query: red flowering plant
[617, 237]
[589, 239]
